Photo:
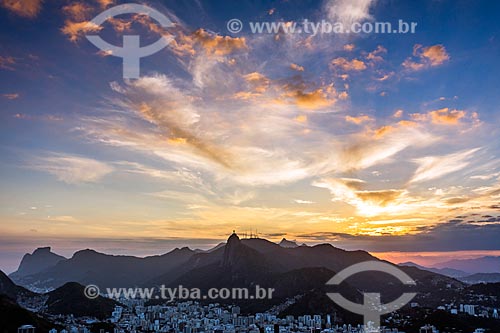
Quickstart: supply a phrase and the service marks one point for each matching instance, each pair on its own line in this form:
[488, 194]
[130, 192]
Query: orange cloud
[75, 30]
[343, 95]
[407, 123]
[219, 45]
[258, 82]
[7, 62]
[182, 44]
[24, 8]
[446, 116]
[11, 96]
[313, 100]
[412, 65]
[122, 25]
[105, 3]
[358, 120]
[349, 47]
[77, 11]
[385, 76]
[301, 119]
[21, 116]
[427, 57]
[398, 113]
[105, 53]
[381, 198]
[380, 132]
[418, 116]
[443, 116]
[346, 65]
[297, 67]
[177, 141]
[375, 54]
[246, 95]
[436, 54]
[305, 97]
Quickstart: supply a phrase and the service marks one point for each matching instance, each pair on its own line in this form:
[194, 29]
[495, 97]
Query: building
[26, 329]
[470, 309]
[428, 329]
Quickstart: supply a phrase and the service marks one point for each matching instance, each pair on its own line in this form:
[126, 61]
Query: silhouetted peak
[181, 250]
[86, 253]
[260, 244]
[218, 246]
[231, 249]
[7, 287]
[409, 263]
[41, 259]
[70, 286]
[42, 250]
[233, 238]
[288, 244]
[4, 278]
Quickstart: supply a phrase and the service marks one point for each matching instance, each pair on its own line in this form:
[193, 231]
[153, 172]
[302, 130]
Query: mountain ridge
[485, 264]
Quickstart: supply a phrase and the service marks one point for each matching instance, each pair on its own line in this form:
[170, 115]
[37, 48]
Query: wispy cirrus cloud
[432, 167]
[7, 62]
[234, 130]
[71, 169]
[11, 96]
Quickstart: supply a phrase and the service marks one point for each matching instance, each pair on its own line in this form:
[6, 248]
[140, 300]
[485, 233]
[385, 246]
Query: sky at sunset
[382, 142]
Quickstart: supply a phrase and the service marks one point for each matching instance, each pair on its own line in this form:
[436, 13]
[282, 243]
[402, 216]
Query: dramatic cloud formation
[293, 134]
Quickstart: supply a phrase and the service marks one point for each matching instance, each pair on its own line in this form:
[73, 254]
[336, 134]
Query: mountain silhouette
[487, 264]
[70, 299]
[454, 273]
[91, 267]
[292, 271]
[67, 299]
[10, 289]
[286, 243]
[41, 259]
[13, 316]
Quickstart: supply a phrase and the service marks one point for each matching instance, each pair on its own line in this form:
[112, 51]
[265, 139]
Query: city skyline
[381, 142]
